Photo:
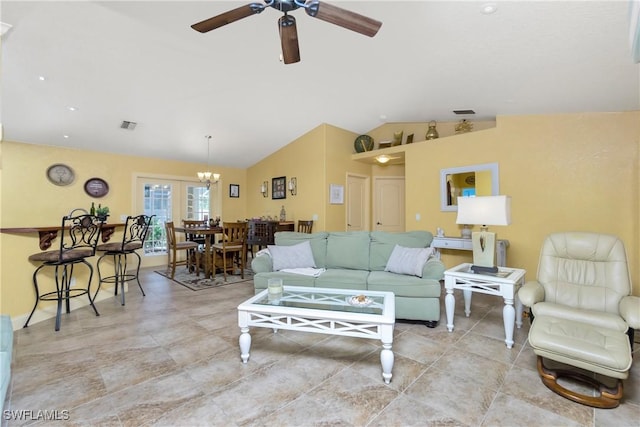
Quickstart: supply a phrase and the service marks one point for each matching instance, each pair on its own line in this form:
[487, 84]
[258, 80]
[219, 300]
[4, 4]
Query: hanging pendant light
[208, 177]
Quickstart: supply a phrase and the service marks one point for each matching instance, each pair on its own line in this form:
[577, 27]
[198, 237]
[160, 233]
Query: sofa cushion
[343, 279]
[408, 260]
[260, 281]
[349, 249]
[382, 244]
[294, 256]
[318, 242]
[402, 285]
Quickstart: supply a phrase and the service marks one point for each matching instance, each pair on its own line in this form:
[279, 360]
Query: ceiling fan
[287, 23]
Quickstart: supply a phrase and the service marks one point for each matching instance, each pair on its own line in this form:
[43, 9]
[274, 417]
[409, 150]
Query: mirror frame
[495, 180]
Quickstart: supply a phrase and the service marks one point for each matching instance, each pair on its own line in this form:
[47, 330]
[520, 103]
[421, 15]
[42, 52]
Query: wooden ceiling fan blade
[342, 17]
[228, 17]
[289, 39]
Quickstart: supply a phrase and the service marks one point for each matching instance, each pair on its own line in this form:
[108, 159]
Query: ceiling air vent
[128, 125]
[464, 112]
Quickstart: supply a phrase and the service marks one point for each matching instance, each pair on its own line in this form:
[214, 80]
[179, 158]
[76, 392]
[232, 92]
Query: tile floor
[172, 359]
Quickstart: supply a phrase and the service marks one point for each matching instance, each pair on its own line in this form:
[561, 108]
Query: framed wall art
[279, 187]
[336, 194]
[234, 190]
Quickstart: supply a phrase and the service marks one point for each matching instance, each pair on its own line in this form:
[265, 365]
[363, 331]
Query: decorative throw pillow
[408, 260]
[294, 256]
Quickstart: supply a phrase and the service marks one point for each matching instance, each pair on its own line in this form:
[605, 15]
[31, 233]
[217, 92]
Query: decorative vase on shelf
[397, 138]
[432, 132]
[465, 232]
[283, 214]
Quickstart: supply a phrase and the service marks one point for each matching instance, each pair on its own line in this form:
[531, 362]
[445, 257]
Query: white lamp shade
[484, 210]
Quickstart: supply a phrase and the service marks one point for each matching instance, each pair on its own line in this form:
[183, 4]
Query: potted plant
[102, 212]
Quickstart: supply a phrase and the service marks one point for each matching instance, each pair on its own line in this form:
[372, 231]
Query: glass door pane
[157, 201]
[198, 204]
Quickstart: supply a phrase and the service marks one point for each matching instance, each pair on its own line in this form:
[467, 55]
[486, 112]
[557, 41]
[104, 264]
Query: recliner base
[609, 398]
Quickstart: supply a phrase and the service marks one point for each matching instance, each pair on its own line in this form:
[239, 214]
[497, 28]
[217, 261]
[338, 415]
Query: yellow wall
[29, 199]
[317, 159]
[303, 158]
[563, 172]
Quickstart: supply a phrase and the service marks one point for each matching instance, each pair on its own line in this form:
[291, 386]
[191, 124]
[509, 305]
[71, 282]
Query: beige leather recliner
[583, 313]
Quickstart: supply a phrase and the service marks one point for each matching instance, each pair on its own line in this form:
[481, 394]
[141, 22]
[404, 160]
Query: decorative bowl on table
[359, 301]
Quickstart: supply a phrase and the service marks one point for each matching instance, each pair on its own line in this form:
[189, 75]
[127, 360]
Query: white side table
[461, 244]
[505, 284]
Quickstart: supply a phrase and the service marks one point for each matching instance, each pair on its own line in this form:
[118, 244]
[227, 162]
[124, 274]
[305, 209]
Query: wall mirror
[472, 180]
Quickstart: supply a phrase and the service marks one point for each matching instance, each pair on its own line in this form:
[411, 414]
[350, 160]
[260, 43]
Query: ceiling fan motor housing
[284, 5]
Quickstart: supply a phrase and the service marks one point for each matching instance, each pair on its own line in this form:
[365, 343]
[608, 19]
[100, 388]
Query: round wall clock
[60, 174]
[96, 187]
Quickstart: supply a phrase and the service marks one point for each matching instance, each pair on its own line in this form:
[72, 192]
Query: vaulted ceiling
[140, 61]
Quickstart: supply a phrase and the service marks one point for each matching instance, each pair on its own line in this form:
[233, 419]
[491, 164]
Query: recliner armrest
[630, 310]
[531, 293]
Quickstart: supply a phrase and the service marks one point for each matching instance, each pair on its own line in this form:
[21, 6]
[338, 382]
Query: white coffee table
[323, 311]
[504, 284]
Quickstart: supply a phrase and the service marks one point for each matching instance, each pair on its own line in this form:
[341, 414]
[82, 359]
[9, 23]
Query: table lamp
[484, 210]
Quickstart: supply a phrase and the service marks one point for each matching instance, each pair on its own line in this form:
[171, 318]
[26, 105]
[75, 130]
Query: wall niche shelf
[419, 129]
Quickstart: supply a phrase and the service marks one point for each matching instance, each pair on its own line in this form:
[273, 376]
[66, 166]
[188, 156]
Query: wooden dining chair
[305, 226]
[232, 249]
[192, 223]
[260, 233]
[200, 239]
[173, 246]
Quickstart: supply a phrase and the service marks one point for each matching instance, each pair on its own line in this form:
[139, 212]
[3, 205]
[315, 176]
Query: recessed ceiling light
[73, 108]
[488, 8]
[65, 136]
[41, 78]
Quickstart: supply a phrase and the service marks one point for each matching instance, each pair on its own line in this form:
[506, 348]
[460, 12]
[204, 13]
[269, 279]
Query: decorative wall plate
[60, 174]
[96, 187]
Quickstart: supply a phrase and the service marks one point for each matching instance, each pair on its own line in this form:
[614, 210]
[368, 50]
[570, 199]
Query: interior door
[389, 204]
[357, 202]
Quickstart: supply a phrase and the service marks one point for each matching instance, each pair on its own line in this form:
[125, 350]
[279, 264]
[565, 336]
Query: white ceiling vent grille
[128, 125]
[464, 112]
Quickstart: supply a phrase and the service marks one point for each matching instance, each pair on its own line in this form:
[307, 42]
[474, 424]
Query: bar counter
[47, 234]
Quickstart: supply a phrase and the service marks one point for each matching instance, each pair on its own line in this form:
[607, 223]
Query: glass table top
[324, 299]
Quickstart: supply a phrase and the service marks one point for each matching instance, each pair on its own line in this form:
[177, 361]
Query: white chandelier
[207, 176]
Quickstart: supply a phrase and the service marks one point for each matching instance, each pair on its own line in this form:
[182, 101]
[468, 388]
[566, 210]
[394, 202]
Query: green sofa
[6, 352]
[357, 260]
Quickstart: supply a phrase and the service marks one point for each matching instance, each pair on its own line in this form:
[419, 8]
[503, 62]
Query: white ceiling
[140, 61]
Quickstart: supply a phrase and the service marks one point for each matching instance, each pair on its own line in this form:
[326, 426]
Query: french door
[173, 200]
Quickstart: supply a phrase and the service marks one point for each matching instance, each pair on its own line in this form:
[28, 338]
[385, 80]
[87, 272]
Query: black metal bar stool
[135, 233]
[78, 240]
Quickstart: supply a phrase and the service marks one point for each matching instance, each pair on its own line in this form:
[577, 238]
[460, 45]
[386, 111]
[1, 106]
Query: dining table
[210, 233]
